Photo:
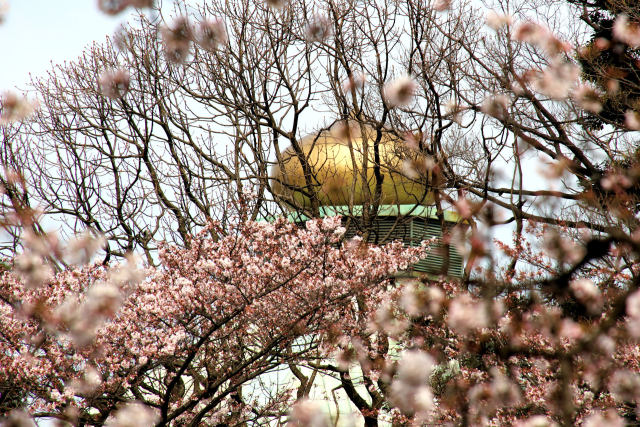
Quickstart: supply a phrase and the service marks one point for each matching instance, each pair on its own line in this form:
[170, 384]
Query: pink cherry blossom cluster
[559, 80]
[547, 353]
[318, 29]
[15, 107]
[114, 84]
[114, 7]
[178, 37]
[214, 315]
[626, 31]
[4, 10]
[400, 91]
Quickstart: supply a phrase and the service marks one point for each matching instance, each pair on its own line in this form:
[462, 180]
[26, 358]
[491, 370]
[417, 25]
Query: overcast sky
[36, 32]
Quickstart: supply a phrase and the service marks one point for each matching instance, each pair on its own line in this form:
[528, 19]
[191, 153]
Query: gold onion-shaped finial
[336, 159]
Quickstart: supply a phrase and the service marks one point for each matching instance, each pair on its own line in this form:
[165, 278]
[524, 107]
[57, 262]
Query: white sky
[37, 32]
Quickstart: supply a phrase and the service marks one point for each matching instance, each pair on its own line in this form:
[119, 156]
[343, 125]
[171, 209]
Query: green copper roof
[420, 223]
[383, 210]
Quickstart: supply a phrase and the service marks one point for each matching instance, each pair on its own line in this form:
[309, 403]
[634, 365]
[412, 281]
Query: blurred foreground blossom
[417, 300]
[18, 418]
[413, 168]
[616, 182]
[587, 98]
[497, 20]
[41, 244]
[557, 79]
[540, 36]
[134, 414]
[90, 381]
[627, 32]
[114, 84]
[128, 274]
[114, 7]
[211, 33]
[345, 130]
[632, 120]
[386, 320]
[4, 10]
[414, 368]
[81, 317]
[80, 321]
[355, 81]
[176, 39]
[453, 110]
[83, 246]
[625, 386]
[141, 3]
[33, 269]
[467, 314]
[529, 32]
[562, 248]
[318, 29]
[633, 304]
[587, 293]
[15, 108]
[103, 299]
[410, 392]
[601, 419]
[536, 421]
[308, 413]
[120, 37]
[496, 106]
[464, 208]
[276, 4]
[400, 91]
[441, 5]
[633, 313]
[499, 393]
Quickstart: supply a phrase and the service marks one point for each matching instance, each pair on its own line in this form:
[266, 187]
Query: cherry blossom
[400, 91]
[599, 418]
[176, 39]
[276, 4]
[441, 5]
[355, 81]
[258, 289]
[539, 35]
[114, 7]
[626, 31]
[496, 106]
[586, 291]
[466, 314]
[542, 331]
[318, 29]
[632, 120]
[133, 415]
[497, 20]
[308, 413]
[4, 10]
[587, 98]
[211, 33]
[15, 108]
[557, 80]
[114, 84]
[409, 390]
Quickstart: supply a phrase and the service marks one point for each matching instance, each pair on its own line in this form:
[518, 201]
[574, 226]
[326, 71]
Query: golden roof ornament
[341, 162]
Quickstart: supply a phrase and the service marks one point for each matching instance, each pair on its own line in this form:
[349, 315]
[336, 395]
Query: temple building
[376, 188]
